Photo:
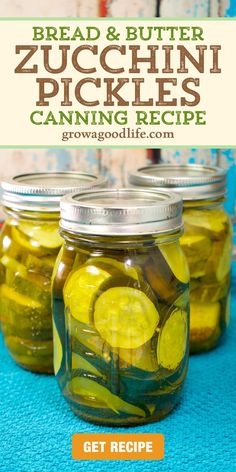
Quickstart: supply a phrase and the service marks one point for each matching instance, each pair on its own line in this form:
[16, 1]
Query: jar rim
[192, 181]
[42, 191]
[120, 212]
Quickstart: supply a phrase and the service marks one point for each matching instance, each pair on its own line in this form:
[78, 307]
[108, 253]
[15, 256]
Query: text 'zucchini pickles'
[29, 244]
[121, 305]
[207, 243]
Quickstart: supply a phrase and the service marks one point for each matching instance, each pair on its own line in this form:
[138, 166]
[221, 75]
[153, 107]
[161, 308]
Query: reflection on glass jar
[121, 306]
[207, 244]
[29, 244]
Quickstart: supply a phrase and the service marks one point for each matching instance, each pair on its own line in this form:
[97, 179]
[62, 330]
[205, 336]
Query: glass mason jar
[121, 305]
[29, 244]
[207, 243]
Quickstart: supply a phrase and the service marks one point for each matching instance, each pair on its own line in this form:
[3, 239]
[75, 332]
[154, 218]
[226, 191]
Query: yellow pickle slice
[218, 264]
[89, 338]
[210, 222]
[224, 264]
[142, 358]
[203, 292]
[28, 348]
[204, 320]
[176, 260]
[46, 234]
[11, 295]
[30, 245]
[57, 350]
[13, 265]
[172, 343]
[97, 393]
[196, 246]
[123, 267]
[78, 362]
[125, 317]
[42, 265]
[80, 288]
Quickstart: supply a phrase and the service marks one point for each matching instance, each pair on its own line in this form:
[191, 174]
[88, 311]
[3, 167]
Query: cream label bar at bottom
[118, 446]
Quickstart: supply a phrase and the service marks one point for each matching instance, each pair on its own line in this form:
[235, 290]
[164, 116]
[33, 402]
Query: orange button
[118, 446]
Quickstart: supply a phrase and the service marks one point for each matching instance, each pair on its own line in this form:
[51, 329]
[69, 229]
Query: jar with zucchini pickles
[121, 305]
[29, 244]
[207, 243]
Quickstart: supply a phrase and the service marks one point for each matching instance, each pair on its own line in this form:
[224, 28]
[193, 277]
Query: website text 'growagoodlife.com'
[143, 127]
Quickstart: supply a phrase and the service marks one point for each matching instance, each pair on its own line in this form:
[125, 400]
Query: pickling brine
[29, 245]
[121, 314]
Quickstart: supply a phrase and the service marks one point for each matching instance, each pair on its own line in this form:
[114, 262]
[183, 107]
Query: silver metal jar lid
[121, 212]
[42, 191]
[194, 182]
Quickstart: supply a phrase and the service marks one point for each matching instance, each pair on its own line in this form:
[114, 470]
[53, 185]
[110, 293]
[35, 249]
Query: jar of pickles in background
[207, 243]
[121, 305]
[29, 244]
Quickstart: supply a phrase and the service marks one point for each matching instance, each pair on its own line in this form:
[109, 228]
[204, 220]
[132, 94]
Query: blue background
[36, 424]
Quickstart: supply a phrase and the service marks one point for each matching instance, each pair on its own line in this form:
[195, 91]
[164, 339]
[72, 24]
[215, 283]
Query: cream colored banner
[147, 83]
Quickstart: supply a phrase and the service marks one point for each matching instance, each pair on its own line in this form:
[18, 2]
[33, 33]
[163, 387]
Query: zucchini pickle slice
[142, 358]
[8, 246]
[23, 312]
[196, 246]
[11, 295]
[225, 259]
[122, 267]
[90, 341]
[126, 281]
[204, 316]
[42, 265]
[125, 317]
[26, 328]
[211, 222]
[46, 234]
[78, 362]
[160, 281]
[172, 343]
[25, 347]
[16, 267]
[218, 264]
[57, 350]
[31, 285]
[176, 260]
[98, 393]
[203, 292]
[80, 288]
[29, 245]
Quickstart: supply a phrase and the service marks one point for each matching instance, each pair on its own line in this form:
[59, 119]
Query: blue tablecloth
[36, 424]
